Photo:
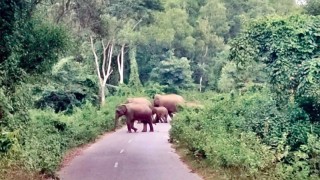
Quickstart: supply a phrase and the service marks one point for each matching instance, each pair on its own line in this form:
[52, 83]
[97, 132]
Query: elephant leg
[154, 118]
[144, 127]
[160, 119]
[132, 126]
[151, 126]
[171, 115]
[165, 119]
[157, 118]
[129, 127]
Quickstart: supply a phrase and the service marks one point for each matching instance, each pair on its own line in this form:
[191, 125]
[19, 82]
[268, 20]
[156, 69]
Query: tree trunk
[106, 68]
[200, 84]
[102, 96]
[122, 63]
[120, 60]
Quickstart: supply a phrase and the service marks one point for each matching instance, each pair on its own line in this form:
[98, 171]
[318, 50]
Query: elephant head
[156, 101]
[120, 111]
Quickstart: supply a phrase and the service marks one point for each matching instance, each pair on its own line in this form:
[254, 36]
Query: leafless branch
[96, 59]
[118, 61]
[112, 86]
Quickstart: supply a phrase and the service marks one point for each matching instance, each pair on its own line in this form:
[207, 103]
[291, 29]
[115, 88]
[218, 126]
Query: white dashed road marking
[121, 151]
[116, 165]
[130, 141]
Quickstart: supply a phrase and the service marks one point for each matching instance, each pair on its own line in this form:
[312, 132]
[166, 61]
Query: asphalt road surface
[130, 156]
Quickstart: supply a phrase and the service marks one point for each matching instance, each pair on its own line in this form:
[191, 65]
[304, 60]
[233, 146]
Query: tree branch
[110, 59]
[108, 69]
[104, 59]
[112, 86]
[96, 60]
[118, 61]
[136, 24]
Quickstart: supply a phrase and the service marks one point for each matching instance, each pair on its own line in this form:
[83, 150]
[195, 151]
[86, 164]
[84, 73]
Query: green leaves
[173, 72]
[312, 7]
[283, 44]
[134, 80]
[42, 44]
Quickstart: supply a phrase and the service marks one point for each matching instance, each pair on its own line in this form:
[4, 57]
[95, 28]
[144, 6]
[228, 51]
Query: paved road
[135, 156]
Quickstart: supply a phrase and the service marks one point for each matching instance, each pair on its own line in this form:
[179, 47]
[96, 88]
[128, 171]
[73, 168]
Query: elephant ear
[122, 109]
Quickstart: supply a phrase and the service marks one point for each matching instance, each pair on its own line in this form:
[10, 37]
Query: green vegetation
[66, 64]
[264, 128]
[248, 136]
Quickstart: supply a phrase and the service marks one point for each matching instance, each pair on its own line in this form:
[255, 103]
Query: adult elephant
[139, 100]
[169, 101]
[134, 111]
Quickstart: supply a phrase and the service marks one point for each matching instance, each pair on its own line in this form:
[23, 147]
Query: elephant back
[169, 101]
[137, 108]
[139, 100]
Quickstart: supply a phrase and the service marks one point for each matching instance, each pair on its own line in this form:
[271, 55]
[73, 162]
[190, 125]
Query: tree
[134, 80]
[211, 27]
[227, 80]
[103, 69]
[174, 72]
[312, 7]
[171, 30]
[31, 45]
[283, 44]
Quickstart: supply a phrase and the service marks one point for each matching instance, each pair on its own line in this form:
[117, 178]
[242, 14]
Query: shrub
[47, 135]
[60, 101]
[247, 135]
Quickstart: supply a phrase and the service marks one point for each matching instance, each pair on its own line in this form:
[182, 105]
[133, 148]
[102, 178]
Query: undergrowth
[247, 136]
[39, 146]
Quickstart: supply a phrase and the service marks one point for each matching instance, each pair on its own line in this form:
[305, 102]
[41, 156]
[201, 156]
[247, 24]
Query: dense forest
[255, 66]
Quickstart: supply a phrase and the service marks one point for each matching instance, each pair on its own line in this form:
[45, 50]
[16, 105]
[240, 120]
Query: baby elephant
[161, 113]
[133, 112]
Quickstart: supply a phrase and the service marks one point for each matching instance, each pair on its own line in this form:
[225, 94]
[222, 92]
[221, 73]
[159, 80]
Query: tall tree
[103, 67]
[211, 27]
[134, 80]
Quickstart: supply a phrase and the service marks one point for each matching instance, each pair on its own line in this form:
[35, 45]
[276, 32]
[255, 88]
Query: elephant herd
[141, 109]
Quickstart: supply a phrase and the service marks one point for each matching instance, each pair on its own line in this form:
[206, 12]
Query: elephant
[139, 100]
[161, 113]
[134, 111]
[169, 101]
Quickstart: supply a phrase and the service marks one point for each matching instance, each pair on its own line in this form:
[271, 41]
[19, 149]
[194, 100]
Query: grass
[197, 165]
[18, 172]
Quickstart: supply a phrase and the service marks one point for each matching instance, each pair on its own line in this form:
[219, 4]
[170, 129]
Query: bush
[48, 135]
[60, 101]
[247, 135]
[215, 134]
